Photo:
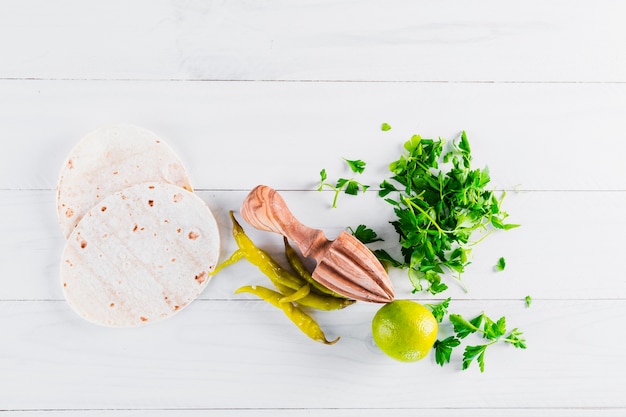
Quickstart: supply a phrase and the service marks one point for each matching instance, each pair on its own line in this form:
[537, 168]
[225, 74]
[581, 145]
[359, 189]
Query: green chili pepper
[286, 282]
[297, 265]
[298, 295]
[303, 321]
[237, 255]
[261, 259]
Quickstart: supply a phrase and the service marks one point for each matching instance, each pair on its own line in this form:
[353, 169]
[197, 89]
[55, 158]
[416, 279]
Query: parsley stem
[458, 278]
[410, 203]
[335, 198]
[332, 187]
[481, 239]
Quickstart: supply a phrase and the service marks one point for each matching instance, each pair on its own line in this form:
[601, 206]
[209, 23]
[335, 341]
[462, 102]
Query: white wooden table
[271, 92]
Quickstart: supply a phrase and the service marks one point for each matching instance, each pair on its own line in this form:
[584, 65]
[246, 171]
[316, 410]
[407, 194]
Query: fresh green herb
[349, 186]
[528, 300]
[439, 310]
[365, 234]
[439, 202]
[385, 127]
[463, 327]
[500, 265]
[494, 331]
[356, 165]
[472, 352]
[384, 257]
[443, 349]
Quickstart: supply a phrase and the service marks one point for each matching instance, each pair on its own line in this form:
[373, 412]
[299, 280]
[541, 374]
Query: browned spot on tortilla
[176, 308]
[69, 213]
[142, 318]
[179, 230]
[193, 235]
[177, 197]
[158, 141]
[103, 208]
[151, 203]
[166, 221]
[112, 305]
[173, 259]
[65, 284]
[70, 164]
[83, 244]
[135, 228]
[201, 277]
[142, 229]
[115, 172]
[124, 197]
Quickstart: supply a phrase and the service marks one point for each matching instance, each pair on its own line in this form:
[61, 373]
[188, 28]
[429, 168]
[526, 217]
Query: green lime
[404, 330]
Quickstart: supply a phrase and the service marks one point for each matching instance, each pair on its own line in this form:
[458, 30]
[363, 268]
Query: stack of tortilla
[140, 244]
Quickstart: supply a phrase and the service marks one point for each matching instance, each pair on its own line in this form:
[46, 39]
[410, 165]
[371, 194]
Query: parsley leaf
[500, 265]
[493, 330]
[463, 327]
[385, 127]
[443, 349]
[365, 234]
[384, 257]
[357, 165]
[323, 178]
[472, 352]
[439, 310]
[516, 339]
[528, 300]
[348, 185]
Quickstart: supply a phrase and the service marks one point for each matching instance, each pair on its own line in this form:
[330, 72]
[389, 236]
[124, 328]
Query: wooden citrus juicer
[344, 265]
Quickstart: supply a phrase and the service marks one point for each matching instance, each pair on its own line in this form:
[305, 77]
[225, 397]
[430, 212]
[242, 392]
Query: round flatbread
[108, 160]
[140, 255]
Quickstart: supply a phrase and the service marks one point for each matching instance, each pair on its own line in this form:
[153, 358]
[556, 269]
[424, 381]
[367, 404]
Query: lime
[404, 330]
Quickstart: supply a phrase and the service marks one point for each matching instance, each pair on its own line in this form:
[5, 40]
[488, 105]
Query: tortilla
[140, 255]
[108, 160]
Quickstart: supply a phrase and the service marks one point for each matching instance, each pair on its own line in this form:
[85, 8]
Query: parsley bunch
[348, 185]
[493, 331]
[439, 202]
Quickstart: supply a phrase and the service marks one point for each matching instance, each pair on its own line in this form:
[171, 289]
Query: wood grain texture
[554, 255]
[298, 412]
[221, 354]
[271, 92]
[531, 136]
[484, 40]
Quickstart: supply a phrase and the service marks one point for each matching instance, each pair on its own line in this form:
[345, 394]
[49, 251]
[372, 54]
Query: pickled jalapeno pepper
[285, 281]
[302, 320]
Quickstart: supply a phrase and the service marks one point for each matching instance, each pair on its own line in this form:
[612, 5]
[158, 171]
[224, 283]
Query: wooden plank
[296, 412]
[236, 135]
[246, 355]
[554, 255]
[318, 40]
